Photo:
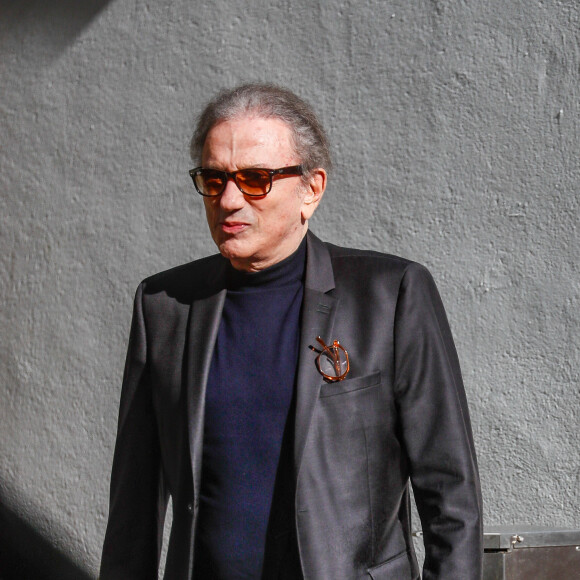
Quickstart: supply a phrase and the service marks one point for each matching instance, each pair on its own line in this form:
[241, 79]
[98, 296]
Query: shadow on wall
[27, 555]
[50, 25]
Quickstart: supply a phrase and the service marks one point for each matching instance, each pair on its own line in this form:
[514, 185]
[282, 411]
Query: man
[285, 391]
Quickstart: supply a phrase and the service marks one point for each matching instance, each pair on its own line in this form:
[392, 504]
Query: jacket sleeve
[137, 498]
[436, 432]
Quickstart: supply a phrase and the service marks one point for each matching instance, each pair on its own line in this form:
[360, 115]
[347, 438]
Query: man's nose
[232, 198]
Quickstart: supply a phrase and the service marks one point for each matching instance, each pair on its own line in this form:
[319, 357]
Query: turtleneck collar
[283, 273]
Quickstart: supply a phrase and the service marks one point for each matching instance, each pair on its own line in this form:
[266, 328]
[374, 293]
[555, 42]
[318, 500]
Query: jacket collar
[319, 275]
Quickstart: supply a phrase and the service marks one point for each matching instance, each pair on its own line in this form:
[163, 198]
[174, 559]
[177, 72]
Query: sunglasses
[332, 362]
[255, 182]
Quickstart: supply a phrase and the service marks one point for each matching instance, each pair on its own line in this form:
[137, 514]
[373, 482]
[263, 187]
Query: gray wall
[456, 132]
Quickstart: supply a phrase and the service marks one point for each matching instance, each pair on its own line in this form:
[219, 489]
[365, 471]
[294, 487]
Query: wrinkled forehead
[249, 141]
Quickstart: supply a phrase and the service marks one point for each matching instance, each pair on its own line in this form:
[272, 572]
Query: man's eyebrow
[252, 166]
[256, 166]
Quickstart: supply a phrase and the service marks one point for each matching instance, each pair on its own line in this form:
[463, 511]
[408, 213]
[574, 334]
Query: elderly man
[286, 392]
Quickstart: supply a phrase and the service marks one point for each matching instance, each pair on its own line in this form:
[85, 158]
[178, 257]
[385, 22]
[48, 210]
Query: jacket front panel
[351, 499]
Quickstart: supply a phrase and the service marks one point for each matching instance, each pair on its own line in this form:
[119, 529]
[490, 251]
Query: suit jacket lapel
[318, 312]
[204, 320]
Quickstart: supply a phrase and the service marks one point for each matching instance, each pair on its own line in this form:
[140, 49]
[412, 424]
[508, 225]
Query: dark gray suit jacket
[400, 415]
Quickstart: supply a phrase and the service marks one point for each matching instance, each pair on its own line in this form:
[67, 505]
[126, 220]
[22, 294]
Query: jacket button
[190, 508]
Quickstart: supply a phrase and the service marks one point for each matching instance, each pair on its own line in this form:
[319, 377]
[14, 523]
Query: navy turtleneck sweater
[248, 401]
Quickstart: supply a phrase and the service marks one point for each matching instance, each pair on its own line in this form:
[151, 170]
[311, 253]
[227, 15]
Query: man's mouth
[232, 227]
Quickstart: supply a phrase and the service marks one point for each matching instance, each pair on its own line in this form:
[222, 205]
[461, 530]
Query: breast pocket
[346, 408]
[350, 385]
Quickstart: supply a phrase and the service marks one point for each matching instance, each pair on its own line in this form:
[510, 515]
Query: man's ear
[314, 192]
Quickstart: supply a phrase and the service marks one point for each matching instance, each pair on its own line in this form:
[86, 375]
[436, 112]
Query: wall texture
[456, 139]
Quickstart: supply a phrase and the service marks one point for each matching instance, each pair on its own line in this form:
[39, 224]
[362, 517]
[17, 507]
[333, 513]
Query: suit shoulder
[353, 257]
[369, 266]
[183, 277]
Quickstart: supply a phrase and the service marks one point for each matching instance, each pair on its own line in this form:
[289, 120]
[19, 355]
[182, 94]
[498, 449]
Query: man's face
[254, 233]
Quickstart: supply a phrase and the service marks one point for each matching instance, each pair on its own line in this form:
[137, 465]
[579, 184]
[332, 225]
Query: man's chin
[233, 251]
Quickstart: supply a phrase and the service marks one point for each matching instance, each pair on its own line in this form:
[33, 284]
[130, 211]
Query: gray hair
[267, 101]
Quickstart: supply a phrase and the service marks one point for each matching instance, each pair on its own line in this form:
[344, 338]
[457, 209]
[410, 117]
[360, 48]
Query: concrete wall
[456, 136]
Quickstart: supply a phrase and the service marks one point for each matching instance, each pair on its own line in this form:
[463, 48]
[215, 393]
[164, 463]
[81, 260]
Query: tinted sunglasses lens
[210, 182]
[253, 181]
